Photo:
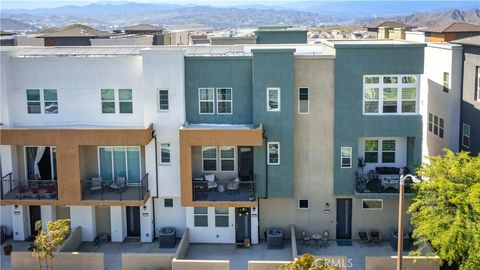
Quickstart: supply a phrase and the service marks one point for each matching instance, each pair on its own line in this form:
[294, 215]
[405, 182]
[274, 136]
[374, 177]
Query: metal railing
[378, 183]
[112, 191]
[246, 191]
[12, 189]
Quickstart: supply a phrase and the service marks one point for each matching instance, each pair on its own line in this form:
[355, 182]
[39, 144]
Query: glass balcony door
[120, 161]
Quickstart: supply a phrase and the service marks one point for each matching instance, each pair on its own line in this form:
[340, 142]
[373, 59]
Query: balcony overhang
[66, 202]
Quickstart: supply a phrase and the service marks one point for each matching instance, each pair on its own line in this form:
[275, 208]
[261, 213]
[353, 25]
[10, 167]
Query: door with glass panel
[120, 161]
[40, 163]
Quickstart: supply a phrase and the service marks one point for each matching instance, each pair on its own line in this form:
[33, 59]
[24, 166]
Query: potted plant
[7, 249]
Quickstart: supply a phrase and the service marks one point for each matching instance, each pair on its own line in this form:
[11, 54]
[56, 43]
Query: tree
[446, 211]
[307, 262]
[46, 242]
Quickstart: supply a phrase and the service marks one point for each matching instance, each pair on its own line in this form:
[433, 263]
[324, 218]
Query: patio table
[316, 238]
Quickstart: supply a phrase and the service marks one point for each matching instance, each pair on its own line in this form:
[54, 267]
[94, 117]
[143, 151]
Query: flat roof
[371, 43]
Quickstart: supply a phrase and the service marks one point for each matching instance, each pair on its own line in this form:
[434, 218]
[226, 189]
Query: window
[273, 153]
[346, 157]
[33, 101]
[108, 100]
[446, 82]
[435, 125]
[388, 151]
[371, 151]
[303, 102]
[165, 153]
[466, 135]
[372, 204]
[125, 100]
[302, 204]
[227, 158]
[41, 162]
[390, 94]
[273, 99]
[119, 161]
[200, 216]
[206, 100]
[209, 158]
[224, 100]
[50, 101]
[163, 104]
[221, 216]
[168, 203]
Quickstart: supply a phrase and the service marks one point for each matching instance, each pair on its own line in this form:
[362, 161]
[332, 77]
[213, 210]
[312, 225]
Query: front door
[344, 218]
[133, 221]
[245, 163]
[242, 224]
[35, 215]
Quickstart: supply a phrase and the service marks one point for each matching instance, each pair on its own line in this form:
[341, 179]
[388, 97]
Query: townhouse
[225, 140]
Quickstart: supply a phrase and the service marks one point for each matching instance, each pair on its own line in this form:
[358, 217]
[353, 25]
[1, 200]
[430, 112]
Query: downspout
[156, 185]
[265, 138]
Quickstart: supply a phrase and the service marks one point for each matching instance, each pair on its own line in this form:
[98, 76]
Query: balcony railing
[373, 182]
[111, 191]
[28, 189]
[229, 191]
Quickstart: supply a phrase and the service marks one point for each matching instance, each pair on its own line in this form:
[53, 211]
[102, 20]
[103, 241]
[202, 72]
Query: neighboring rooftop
[143, 27]
[455, 27]
[471, 41]
[391, 24]
[75, 30]
[369, 42]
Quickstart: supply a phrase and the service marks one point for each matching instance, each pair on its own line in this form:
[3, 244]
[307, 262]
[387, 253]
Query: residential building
[72, 35]
[7, 39]
[470, 96]
[388, 29]
[280, 35]
[451, 31]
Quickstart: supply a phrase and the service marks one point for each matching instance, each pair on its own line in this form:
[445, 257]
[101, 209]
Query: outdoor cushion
[210, 177]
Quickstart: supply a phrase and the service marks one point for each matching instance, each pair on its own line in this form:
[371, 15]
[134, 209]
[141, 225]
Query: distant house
[452, 31]
[158, 33]
[388, 30]
[199, 39]
[7, 39]
[72, 35]
[280, 35]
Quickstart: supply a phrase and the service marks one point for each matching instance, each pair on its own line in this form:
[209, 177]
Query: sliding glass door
[120, 161]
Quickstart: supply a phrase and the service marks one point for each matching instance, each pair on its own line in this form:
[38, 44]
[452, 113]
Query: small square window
[168, 203]
[303, 204]
[165, 153]
[273, 153]
[346, 157]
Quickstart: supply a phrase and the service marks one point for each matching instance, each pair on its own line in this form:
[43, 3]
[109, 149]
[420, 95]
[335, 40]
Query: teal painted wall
[234, 72]
[352, 62]
[274, 68]
[281, 37]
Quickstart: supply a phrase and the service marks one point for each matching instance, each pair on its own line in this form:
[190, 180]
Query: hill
[10, 24]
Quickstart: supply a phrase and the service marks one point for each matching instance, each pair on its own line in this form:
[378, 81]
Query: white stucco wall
[211, 234]
[169, 216]
[415, 36]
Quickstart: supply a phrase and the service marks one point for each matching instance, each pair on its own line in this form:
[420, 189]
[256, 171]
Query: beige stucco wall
[63, 212]
[23, 260]
[102, 218]
[200, 264]
[410, 263]
[147, 261]
[313, 139]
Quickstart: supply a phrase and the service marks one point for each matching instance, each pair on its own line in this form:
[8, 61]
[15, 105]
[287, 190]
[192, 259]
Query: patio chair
[363, 237]
[234, 185]
[120, 184]
[306, 239]
[96, 184]
[211, 181]
[325, 238]
[375, 236]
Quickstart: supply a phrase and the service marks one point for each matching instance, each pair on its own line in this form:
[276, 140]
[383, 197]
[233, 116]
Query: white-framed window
[371, 151]
[50, 101]
[125, 103]
[446, 82]
[466, 135]
[206, 99]
[227, 158]
[303, 204]
[224, 101]
[273, 153]
[125, 100]
[221, 217]
[273, 99]
[46, 99]
[168, 203]
[209, 158]
[372, 204]
[33, 101]
[120, 161]
[346, 157]
[165, 158]
[435, 125]
[108, 100]
[303, 100]
[163, 100]
[200, 216]
[390, 94]
[478, 83]
[380, 150]
[388, 151]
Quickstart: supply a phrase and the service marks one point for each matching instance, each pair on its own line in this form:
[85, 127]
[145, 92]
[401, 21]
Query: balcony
[235, 190]
[98, 190]
[380, 182]
[28, 189]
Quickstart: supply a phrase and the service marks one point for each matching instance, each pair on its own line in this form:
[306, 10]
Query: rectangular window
[435, 125]
[206, 97]
[273, 99]
[224, 100]
[346, 157]
[50, 101]
[221, 216]
[388, 151]
[372, 204]
[200, 216]
[209, 158]
[108, 100]
[273, 153]
[446, 82]
[227, 158]
[466, 135]
[168, 203]
[387, 94]
[119, 161]
[163, 102]
[33, 101]
[165, 153]
[302, 204]
[371, 151]
[303, 101]
[125, 100]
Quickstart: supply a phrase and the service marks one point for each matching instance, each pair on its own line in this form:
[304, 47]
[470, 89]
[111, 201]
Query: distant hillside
[10, 24]
[430, 19]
